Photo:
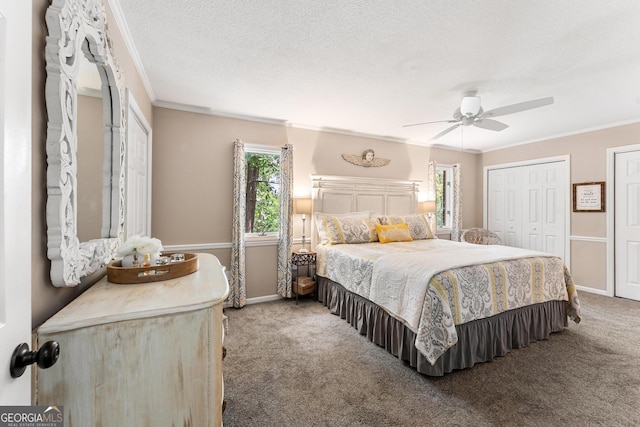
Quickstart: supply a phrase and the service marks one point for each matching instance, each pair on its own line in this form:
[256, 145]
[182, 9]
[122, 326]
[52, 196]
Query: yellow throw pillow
[393, 233]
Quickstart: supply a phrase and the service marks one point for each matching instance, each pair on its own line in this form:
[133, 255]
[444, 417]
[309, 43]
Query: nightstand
[303, 285]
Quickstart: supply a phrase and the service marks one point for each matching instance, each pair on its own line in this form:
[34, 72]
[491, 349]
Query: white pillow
[320, 219]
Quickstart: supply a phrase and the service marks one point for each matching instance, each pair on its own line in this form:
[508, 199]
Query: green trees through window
[263, 193]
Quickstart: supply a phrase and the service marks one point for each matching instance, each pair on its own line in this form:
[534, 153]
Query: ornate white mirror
[85, 178]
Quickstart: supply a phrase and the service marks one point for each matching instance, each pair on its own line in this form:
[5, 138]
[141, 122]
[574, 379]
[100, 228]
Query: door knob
[46, 357]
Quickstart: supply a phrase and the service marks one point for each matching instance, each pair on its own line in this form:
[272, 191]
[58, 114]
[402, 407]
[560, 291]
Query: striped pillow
[322, 219]
[351, 230]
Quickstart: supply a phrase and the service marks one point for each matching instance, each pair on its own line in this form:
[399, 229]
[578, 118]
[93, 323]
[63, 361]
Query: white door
[512, 207]
[532, 207]
[544, 208]
[138, 213]
[504, 215]
[495, 202]
[627, 225]
[526, 205]
[15, 187]
[553, 209]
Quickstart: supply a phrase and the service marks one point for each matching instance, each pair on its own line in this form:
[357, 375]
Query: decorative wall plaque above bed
[367, 159]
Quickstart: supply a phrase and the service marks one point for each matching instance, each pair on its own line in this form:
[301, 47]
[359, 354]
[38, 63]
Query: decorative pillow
[321, 220]
[393, 233]
[418, 225]
[351, 230]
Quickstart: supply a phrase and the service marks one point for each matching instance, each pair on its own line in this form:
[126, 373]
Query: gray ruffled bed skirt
[478, 341]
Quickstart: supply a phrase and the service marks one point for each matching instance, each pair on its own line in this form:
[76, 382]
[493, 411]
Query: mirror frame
[70, 23]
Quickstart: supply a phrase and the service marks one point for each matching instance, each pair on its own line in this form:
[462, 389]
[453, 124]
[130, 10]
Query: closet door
[554, 203]
[532, 207]
[504, 214]
[526, 206]
[513, 207]
[495, 202]
[543, 204]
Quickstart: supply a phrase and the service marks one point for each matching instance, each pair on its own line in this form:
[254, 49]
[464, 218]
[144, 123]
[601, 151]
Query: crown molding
[564, 134]
[121, 22]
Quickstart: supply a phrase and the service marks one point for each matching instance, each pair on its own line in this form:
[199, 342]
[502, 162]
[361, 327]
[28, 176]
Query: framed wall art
[588, 197]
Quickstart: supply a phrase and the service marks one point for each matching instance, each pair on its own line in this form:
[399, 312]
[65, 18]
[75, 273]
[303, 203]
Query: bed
[435, 304]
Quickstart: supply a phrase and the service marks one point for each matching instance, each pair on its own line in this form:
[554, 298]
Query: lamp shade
[427, 206]
[470, 106]
[302, 206]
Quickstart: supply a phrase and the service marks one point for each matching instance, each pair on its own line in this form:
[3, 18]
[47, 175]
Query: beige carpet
[291, 365]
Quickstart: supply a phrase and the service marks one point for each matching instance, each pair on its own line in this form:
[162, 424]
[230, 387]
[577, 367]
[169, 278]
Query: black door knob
[22, 357]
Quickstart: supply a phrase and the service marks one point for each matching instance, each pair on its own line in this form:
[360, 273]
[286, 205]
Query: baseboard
[265, 298]
[256, 300]
[592, 291]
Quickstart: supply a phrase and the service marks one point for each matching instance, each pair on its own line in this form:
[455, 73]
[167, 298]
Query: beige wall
[193, 178]
[588, 163]
[47, 299]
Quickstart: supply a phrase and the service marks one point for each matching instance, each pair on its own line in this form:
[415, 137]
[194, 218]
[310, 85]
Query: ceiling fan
[470, 113]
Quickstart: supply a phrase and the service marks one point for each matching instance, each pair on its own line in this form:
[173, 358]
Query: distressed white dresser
[144, 354]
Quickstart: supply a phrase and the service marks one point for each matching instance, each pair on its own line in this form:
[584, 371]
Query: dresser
[145, 354]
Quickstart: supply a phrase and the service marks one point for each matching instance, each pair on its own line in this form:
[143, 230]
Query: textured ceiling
[369, 66]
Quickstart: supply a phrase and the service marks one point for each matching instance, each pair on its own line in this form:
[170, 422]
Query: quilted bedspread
[432, 285]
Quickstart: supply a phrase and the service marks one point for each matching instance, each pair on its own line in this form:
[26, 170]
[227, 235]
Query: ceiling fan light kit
[470, 106]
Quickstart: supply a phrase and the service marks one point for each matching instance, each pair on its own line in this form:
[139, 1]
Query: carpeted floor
[291, 365]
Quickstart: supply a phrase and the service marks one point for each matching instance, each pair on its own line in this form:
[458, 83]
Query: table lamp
[302, 206]
[428, 207]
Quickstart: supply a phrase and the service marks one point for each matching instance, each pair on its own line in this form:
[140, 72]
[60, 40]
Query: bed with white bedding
[436, 304]
[431, 288]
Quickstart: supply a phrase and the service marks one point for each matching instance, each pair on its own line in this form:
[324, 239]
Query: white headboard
[342, 194]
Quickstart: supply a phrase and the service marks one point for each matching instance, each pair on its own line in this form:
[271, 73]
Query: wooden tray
[116, 273]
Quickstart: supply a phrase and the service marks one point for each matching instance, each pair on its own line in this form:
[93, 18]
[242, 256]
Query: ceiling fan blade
[516, 108]
[444, 132]
[428, 123]
[490, 124]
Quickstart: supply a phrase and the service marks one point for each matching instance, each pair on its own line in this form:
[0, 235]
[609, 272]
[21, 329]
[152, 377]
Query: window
[444, 196]
[263, 190]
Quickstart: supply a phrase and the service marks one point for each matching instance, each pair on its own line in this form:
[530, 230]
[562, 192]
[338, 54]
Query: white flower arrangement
[140, 245]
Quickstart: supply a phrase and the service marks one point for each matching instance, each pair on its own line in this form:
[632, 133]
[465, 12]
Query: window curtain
[456, 218]
[286, 221]
[237, 294]
[431, 194]
[456, 208]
